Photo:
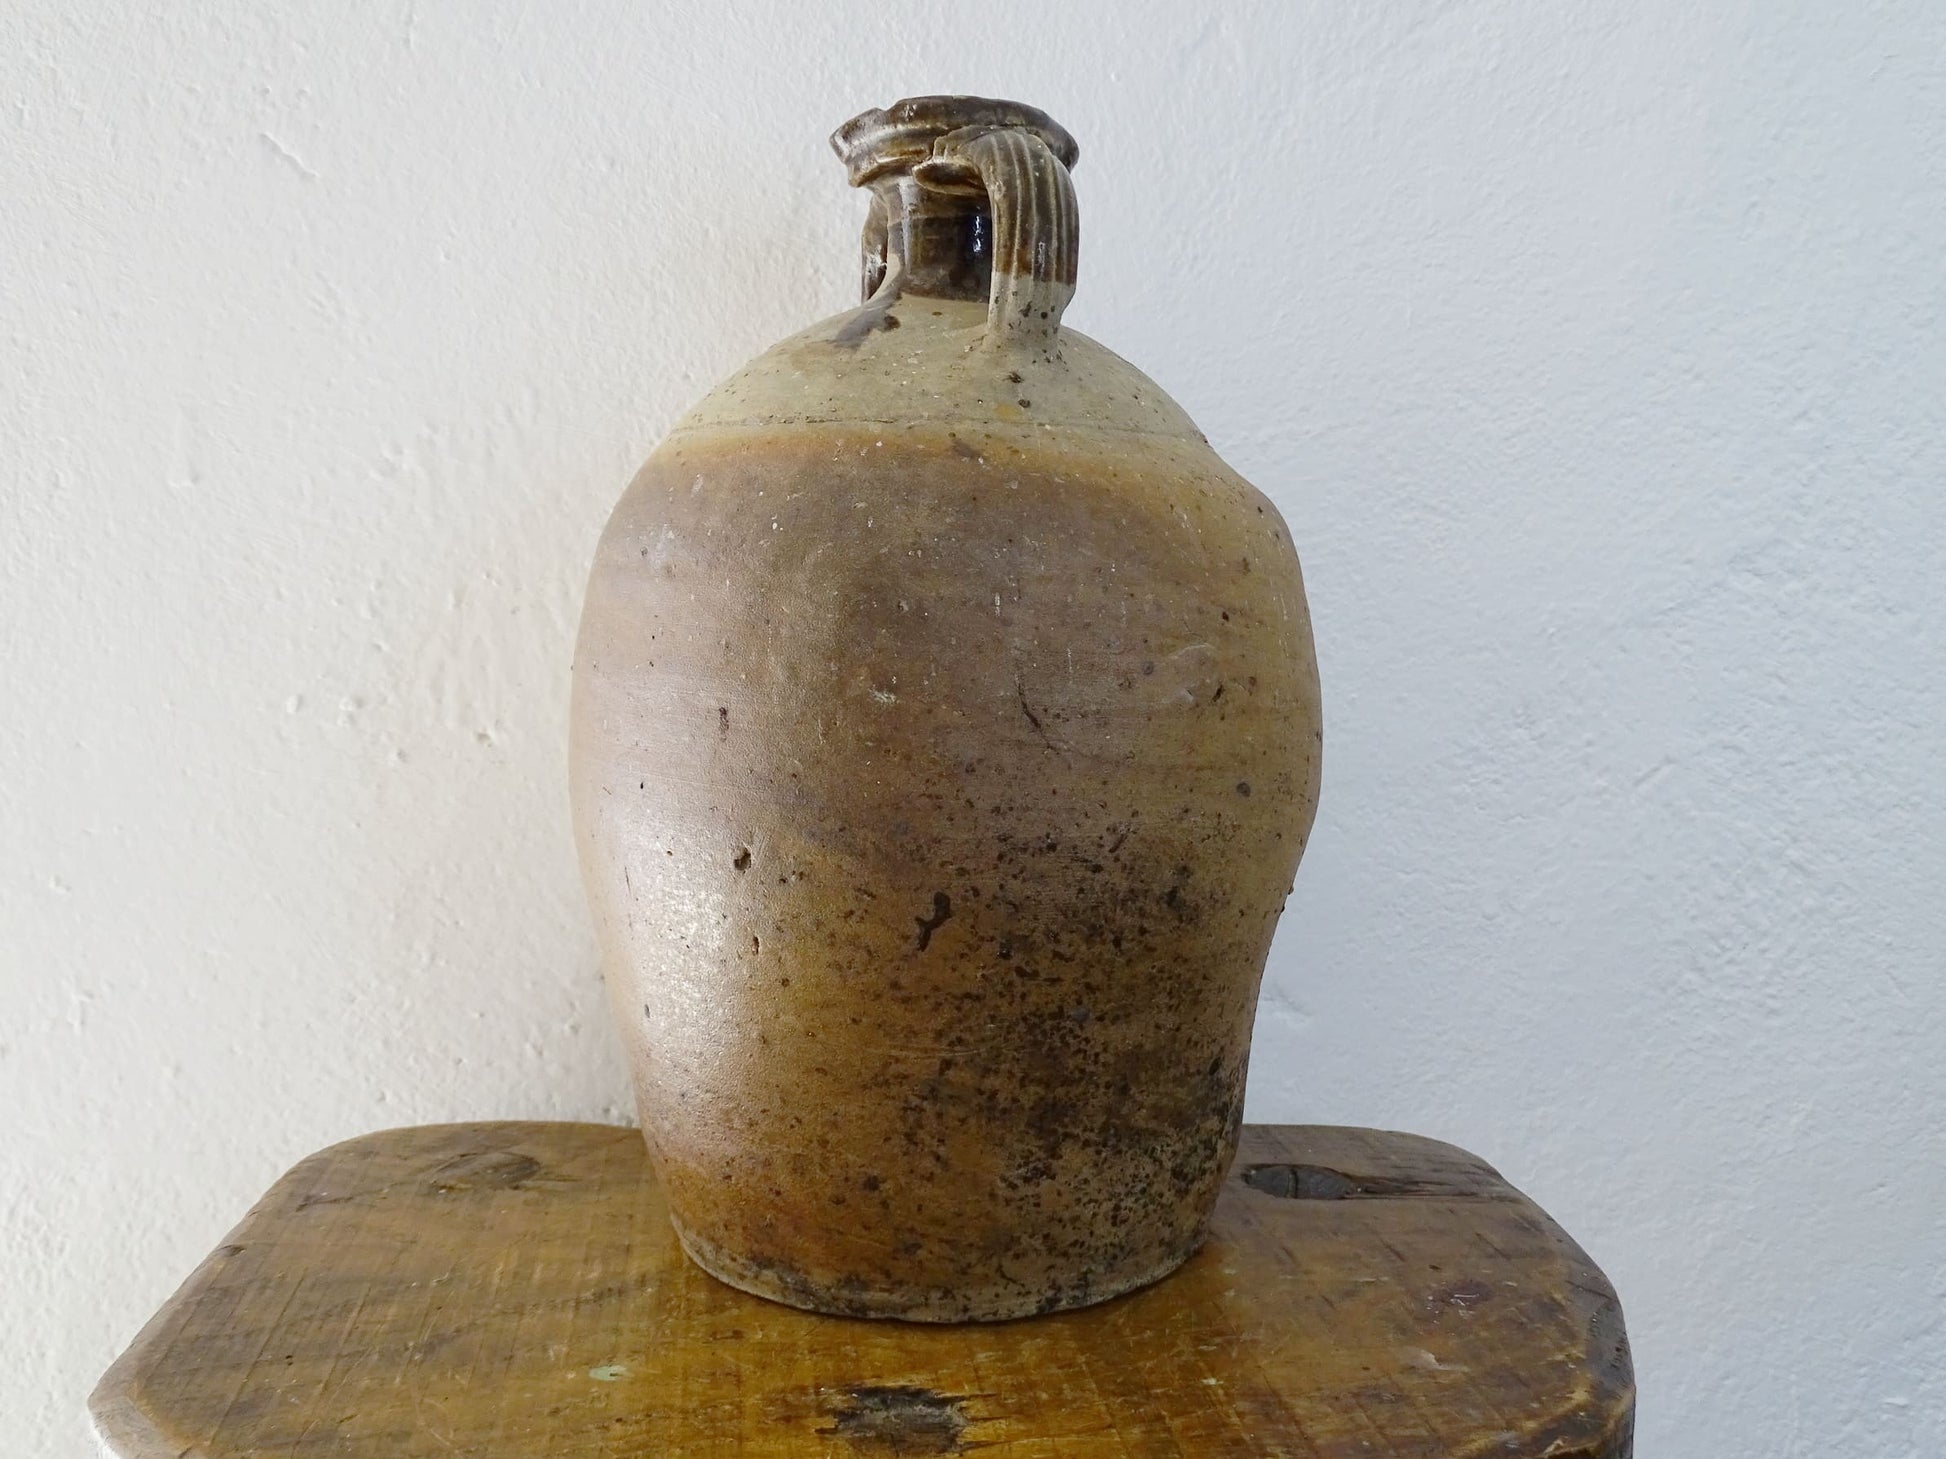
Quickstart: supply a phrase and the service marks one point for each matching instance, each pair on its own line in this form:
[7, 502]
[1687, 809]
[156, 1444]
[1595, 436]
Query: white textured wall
[1595, 352]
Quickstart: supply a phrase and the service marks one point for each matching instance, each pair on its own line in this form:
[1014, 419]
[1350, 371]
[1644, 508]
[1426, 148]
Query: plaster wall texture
[1593, 352]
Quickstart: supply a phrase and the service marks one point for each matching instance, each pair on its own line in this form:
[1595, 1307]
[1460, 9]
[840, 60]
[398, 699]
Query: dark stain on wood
[1319, 1183]
[898, 1419]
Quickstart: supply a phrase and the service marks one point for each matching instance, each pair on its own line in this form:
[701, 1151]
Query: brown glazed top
[934, 220]
[896, 138]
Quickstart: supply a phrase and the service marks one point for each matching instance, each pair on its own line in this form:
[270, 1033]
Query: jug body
[945, 738]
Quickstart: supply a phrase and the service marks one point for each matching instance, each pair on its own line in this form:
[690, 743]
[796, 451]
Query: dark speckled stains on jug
[946, 736]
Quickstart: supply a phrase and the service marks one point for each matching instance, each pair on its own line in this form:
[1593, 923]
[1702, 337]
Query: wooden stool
[513, 1291]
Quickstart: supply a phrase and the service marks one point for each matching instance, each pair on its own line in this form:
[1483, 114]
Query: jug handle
[1036, 227]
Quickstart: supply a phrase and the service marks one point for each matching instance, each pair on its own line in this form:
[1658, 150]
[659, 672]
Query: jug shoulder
[925, 361]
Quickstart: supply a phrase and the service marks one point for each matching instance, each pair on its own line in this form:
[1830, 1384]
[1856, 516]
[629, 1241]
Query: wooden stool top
[513, 1291]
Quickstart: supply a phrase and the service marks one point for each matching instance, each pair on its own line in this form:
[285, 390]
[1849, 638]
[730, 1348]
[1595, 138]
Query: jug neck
[942, 238]
[944, 242]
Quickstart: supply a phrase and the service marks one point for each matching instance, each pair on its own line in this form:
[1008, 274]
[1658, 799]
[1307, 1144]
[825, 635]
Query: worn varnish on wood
[515, 1290]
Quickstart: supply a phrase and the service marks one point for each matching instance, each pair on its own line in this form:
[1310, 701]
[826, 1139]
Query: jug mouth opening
[898, 137]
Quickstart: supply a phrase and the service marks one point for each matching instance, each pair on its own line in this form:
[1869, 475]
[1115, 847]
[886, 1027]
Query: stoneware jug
[945, 738]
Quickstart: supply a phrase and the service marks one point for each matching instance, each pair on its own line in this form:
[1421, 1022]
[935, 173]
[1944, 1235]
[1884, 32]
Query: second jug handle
[1036, 227]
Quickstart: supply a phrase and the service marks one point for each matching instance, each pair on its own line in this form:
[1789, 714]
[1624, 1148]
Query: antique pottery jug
[945, 738]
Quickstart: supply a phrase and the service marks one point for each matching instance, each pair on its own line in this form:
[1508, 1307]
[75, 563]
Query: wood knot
[482, 1170]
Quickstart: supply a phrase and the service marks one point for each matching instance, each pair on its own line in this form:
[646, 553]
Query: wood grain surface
[514, 1290]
